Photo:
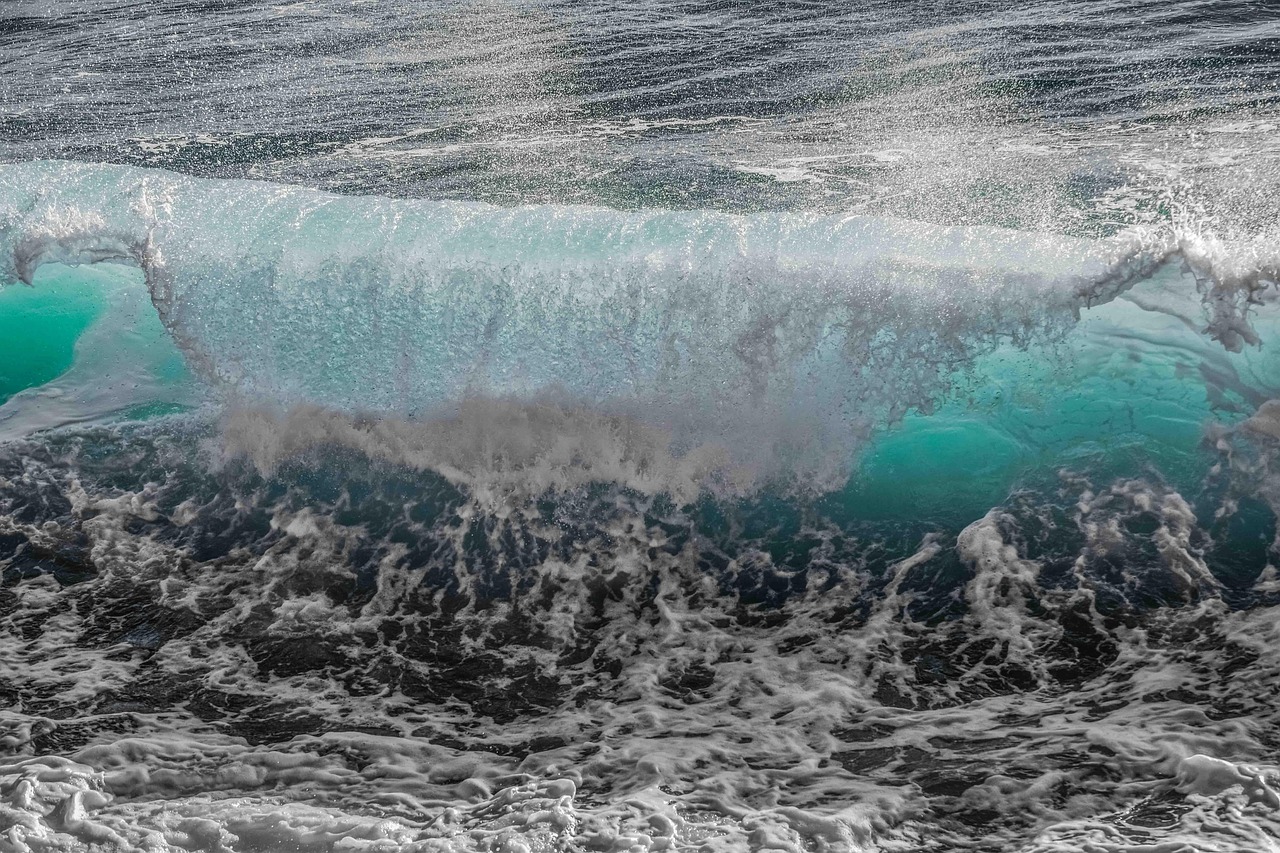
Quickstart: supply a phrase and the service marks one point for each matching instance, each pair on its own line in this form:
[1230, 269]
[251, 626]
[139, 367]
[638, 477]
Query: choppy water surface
[548, 427]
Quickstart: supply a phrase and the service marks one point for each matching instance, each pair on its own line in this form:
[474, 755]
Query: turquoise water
[39, 329]
[88, 346]
[1127, 392]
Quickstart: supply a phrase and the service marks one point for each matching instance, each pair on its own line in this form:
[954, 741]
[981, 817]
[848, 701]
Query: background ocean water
[711, 426]
[962, 113]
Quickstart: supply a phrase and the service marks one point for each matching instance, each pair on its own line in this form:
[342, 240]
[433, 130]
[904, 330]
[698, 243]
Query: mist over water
[527, 426]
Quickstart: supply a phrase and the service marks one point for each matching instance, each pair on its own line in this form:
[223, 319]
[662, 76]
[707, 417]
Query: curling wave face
[771, 335]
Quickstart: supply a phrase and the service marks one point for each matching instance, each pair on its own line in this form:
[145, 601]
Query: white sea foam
[787, 744]
[494, 447]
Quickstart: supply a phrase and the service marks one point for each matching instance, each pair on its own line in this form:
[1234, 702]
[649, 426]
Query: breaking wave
[779, 341]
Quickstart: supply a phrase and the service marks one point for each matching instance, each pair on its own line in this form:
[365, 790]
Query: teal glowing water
[87, 345]
[40, 330]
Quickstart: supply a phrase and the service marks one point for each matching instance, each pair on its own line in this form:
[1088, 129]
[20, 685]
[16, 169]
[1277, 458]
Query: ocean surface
[526, 426]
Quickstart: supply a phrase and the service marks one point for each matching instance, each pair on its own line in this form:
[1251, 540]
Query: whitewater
[522, 426]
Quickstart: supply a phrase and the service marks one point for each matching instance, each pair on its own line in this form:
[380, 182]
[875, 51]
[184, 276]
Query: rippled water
[963, 113]
[521, 426]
